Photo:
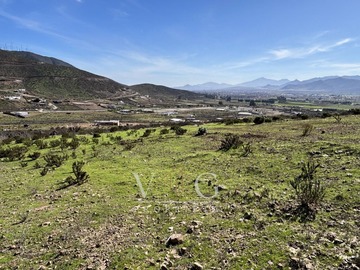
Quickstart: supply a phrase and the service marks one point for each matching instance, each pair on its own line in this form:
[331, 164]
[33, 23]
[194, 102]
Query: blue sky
[178, 42]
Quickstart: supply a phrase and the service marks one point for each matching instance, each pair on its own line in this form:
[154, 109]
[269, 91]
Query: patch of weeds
[309, 190]
[201, 131]
[81, 176]
[54, 160]
[307, 129]
[231, 141]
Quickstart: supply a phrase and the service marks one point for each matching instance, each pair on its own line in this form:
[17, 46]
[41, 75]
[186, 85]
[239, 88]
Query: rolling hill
[51, 78]
[163, 93]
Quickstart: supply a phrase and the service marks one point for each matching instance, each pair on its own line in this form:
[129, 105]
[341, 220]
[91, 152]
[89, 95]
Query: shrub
[302, 116]
[308, 188]
[337, 117]
[81, 176]
[55, 143]
[259, 120]
[23, 164]
[201, 131]
[276, 118]
[37, 165]
[307, 129]
[247, 147]
[14, 153]
[147, 133]
[44, 171]
[164, 131]
[179, 130]
[74, 143]
[128, 145]
[231, 141]
[354, 111]
[53, 160]
[41, 144]
[34, 156]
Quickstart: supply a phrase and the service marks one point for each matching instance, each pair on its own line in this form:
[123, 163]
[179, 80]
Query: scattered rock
[182, 251]
[197, 266]
[47, 223]
[248, 215]
[174, 239]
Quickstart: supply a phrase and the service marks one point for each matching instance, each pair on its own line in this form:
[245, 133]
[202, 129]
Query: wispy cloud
[37, 26]
[118, 13]
[29, 24]
[149, 63]
[338, 66]
[301, 52]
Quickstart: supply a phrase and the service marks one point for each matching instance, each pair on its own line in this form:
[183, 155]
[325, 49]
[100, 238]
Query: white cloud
[282, 53]
[301, 52]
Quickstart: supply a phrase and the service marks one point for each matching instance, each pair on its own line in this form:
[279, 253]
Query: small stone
[248, 216]
[174, 239]
[338, 241]
[182, 251]
[331, 236]
[163, 267]
[197, 266]
[221, 187]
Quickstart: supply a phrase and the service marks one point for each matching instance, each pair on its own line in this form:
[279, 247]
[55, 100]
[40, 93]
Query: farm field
[166, 199]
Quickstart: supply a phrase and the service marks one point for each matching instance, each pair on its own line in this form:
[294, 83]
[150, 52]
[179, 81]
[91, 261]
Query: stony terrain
[167, 199]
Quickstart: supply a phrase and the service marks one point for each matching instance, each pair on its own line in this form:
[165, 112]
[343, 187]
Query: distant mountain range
[341, 85]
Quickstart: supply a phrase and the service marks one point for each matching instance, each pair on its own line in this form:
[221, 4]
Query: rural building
[107, 122]
[13, 98]
[176, 120]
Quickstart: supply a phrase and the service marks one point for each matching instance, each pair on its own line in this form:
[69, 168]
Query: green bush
[14, 153]
[201, 131]
[164, 131]
[259, 120]
[178, 130]
[231, 141]
[308, 188]
[147, 133]
[307, 129]
[41, 144]
[81, 176]
[74, 143]
[54, 160]
[34, 156]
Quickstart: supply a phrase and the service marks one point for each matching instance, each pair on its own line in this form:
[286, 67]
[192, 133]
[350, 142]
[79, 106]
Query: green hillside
[158, 200]
[52, 78]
